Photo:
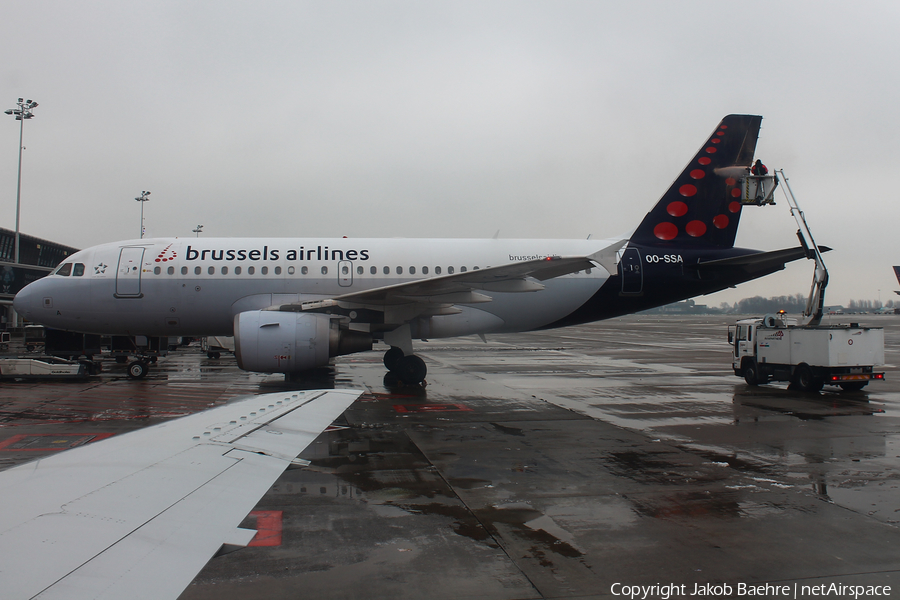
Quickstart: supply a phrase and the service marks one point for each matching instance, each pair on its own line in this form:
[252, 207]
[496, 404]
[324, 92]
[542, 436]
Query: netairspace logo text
[756, 590]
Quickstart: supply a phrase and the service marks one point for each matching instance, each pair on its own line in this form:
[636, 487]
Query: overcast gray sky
[450, 119]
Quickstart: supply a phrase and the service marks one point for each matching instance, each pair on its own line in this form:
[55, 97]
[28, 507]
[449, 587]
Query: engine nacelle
[287, 342]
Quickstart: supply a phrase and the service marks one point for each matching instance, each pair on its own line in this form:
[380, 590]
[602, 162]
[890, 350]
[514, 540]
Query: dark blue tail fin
[703, 207]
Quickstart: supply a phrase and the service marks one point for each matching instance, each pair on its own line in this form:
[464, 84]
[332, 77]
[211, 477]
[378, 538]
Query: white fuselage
[195, 286]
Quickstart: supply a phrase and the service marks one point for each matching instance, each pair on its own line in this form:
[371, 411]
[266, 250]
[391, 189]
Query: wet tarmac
[545, 465]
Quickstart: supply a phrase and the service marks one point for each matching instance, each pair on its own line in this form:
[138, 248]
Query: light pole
[22, 113]
[143, 198]
[198, 230]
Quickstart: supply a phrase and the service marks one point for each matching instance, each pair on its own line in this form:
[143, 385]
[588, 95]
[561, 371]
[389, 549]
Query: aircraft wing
[140, 514]
[521, 276]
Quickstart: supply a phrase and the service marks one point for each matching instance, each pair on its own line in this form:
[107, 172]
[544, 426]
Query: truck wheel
[806, 380]
[853, 386]
[138, 369]
[750, 375]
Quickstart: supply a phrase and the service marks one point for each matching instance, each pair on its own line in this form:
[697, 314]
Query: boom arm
[816, 302]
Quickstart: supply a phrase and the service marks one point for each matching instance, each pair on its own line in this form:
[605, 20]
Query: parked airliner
[293, 303]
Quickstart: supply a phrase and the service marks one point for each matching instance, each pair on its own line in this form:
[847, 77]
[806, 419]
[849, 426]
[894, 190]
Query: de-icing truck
[776, 348]
[803, 352]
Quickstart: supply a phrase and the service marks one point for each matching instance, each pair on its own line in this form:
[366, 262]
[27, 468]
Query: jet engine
[287, 342]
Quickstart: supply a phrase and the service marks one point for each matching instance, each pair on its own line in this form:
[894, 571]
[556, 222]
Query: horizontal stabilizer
[758, 262]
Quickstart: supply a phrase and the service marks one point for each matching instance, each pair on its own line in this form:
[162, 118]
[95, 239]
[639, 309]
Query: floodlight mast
[22, 113]
[198, 230]
[142, 198]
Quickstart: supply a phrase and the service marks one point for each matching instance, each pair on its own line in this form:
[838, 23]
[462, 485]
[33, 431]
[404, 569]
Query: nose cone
[25, 301]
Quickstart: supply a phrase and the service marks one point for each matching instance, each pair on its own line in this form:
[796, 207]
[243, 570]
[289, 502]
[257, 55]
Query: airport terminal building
[37, 258]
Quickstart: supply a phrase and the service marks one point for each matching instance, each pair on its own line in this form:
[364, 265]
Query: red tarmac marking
[268, 528]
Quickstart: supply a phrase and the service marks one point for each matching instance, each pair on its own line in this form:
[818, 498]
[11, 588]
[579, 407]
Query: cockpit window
[78, 271]
[64, 269]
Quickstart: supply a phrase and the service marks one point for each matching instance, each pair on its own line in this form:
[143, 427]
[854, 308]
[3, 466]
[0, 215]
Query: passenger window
[412, 270]
[157, 270]
[237, 270]
[211, 270]
[184, 270]
[462, 269]
[291, 270]
[359, 270]
[399, 270]
[224, 270]
[65, 270]
[251, 270]
[304, 270]
[588, 270]
[437, 271]
[424, 270]
[475, 268]
[373, 270]
[324, 270]
[278, 270]
[197, 270]
[387, 270]
[171, 270]
[345, 270]
[450, 270]
[264, 270]
[78, 271]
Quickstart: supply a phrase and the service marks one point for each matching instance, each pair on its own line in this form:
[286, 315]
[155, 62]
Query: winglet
[607, 258]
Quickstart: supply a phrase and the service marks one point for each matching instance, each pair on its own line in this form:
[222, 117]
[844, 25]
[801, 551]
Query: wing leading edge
[139, 515]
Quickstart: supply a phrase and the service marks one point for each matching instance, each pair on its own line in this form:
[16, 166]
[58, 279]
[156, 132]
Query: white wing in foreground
[140, 514]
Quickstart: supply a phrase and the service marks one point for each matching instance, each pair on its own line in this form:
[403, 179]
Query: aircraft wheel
[411, 369]
[138, 369]
[392, 358]
[853, 386]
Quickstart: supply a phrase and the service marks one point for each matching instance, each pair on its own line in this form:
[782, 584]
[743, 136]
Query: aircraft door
[128, 274]
[631, 271]
[345, 273]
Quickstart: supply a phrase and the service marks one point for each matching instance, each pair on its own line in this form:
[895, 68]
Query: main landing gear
[406, 368]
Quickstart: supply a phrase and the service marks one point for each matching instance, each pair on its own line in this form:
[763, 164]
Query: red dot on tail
[730, 181]
[695, 228]
[687, 190]
[720, 221]
[710, 150]
[677, 208]
[734, 207]
[736, 193]
[704, 160]
[665, 231]
[698, 174]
